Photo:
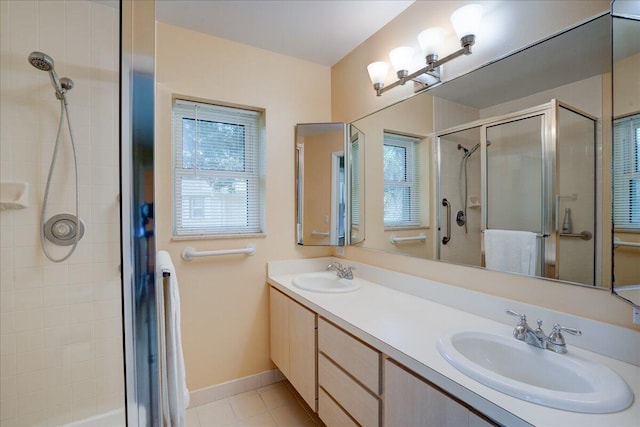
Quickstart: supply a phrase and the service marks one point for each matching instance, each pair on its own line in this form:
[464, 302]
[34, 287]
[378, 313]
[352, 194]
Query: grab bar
[447, 237]
[617, 242]
[189, 253]
[319, 233]
[420, 237]
[584, 235]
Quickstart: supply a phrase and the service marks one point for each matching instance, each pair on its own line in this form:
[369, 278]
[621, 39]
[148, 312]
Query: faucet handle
[557, 328]
[520, 331]
[556, 341]
[523, 318]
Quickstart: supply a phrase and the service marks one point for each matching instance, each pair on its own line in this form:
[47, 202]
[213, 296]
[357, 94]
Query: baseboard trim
[233, 387]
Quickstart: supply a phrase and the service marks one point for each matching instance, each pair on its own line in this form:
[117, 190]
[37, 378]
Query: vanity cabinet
[350, 383]
[410, 400]
[348, 378]
[293, 343]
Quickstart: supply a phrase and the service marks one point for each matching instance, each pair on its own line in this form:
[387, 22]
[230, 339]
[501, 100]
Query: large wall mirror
[626, 149]
[519, 145]
[329, 184]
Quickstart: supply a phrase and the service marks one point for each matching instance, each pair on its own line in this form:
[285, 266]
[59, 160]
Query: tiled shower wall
[61, 339]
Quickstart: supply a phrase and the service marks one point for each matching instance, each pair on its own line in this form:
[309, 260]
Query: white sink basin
[563, 381]
[325, 282]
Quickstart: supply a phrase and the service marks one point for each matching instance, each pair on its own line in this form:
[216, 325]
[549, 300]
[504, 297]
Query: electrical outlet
[340, 250]
[636, 315]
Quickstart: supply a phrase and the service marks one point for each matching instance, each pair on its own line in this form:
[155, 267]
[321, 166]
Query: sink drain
[61, 229]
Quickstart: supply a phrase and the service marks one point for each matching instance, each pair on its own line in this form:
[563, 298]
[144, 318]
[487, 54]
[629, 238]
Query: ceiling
[319, 31]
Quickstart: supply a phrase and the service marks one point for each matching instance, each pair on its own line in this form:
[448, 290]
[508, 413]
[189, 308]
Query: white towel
[511, 251]
[176, 394]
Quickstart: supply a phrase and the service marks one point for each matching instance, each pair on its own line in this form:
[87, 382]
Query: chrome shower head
[44, 62]
[41, 61]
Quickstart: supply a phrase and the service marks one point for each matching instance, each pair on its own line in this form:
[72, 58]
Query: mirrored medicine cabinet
[329, 184]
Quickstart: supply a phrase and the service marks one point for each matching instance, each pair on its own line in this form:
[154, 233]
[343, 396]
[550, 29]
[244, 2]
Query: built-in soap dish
[14, 195]
[473, 202]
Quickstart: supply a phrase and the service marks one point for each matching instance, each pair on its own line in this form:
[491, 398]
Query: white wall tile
[47, 311]
[30, 382]
[29, 341]
[29, 362]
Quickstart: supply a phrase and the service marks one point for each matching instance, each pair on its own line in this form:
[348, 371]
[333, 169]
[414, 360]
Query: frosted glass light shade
[378, 72]
[430, 40]
[466, 20]
[401, 58]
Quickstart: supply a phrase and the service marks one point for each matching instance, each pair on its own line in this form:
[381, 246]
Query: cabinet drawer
[356, 400]
[358, 359]
[331, 414]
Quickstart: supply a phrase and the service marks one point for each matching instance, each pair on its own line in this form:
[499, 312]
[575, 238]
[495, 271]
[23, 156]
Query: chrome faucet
[537, 338]
[341, 271]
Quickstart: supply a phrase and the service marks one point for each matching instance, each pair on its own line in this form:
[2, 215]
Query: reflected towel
[511, 251]
[176, 394]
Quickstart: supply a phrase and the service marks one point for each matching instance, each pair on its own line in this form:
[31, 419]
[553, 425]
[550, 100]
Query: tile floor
[276, 405]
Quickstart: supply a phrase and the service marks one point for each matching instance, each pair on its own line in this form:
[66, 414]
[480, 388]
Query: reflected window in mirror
[401, 181]
[355, 181]
[626, 173]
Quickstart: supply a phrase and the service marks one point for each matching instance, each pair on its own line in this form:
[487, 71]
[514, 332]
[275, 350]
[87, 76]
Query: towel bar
[189, 253]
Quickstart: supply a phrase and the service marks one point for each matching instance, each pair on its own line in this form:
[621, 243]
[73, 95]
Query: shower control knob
[62, 229]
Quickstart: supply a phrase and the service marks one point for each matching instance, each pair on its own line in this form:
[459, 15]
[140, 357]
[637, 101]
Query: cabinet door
[411, 401]
[302, 352]
[279, 330]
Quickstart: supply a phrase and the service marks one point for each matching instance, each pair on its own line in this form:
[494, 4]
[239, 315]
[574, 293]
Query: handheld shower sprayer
[61, 229]
[44, 62]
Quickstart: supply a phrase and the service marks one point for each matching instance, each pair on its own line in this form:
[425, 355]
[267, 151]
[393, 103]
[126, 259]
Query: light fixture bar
[466, 22]
[466, 41]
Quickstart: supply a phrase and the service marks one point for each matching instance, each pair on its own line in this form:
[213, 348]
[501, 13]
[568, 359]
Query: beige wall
[507, 26]
[225, 323]
[627, 86]
[318, 163]
[60, 324]
[520, 23]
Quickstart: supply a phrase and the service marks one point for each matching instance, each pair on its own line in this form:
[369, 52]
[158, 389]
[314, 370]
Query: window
[355, 181]
[401, 181]
[626, 173]
[217, 165]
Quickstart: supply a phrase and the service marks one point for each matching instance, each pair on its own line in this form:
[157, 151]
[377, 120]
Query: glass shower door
[515, 178]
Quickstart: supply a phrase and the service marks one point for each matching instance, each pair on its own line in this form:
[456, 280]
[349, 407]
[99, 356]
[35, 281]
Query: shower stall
[532, 170]
[77, 250]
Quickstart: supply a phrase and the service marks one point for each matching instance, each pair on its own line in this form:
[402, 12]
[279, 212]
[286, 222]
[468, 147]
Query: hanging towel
[511, 251]
[175, 393]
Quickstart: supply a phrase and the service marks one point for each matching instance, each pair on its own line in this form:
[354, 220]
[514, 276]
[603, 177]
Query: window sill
[409, 227]
[219, 237]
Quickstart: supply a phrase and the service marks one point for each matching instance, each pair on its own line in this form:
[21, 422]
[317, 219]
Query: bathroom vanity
[369, 356]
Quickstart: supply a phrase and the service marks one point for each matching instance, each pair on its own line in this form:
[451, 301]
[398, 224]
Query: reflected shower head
[462, 147]
[41, 61]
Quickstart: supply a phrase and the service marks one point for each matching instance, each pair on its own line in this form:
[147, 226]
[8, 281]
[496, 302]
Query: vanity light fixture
[465, 21]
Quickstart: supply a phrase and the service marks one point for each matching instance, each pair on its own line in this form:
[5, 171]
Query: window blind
[355, 182]
[218, 170]
[401, 181]
[626, 173]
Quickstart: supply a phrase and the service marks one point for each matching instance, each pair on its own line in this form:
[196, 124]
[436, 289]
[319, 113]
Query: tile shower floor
[275, 405]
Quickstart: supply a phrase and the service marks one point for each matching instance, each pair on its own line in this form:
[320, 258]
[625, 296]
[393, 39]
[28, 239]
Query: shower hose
[63, 113]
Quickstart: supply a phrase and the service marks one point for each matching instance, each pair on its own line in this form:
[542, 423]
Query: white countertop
[407, 327]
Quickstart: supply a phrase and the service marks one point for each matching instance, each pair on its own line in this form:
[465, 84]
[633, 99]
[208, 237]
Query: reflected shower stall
[533, 170]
